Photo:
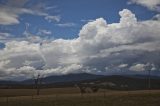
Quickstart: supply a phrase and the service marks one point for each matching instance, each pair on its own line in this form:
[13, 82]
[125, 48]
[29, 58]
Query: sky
[55, 37]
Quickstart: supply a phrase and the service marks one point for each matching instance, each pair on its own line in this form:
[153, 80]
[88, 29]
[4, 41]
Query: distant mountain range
[57, 79]
[127, 82]
[66, 78]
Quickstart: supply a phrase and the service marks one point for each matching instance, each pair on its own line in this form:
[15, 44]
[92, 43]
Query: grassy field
[72, 97]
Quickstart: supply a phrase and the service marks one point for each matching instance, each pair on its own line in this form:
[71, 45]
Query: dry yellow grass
[72, 97]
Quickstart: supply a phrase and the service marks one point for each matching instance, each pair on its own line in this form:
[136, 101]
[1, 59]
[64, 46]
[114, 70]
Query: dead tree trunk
[37, 84]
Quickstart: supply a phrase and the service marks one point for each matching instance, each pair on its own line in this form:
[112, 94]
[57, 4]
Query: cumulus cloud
[151, 4]
[138, 67]
[100, 48]
[73, 68]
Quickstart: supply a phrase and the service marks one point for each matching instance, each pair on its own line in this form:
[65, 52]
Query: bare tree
[37, 82]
